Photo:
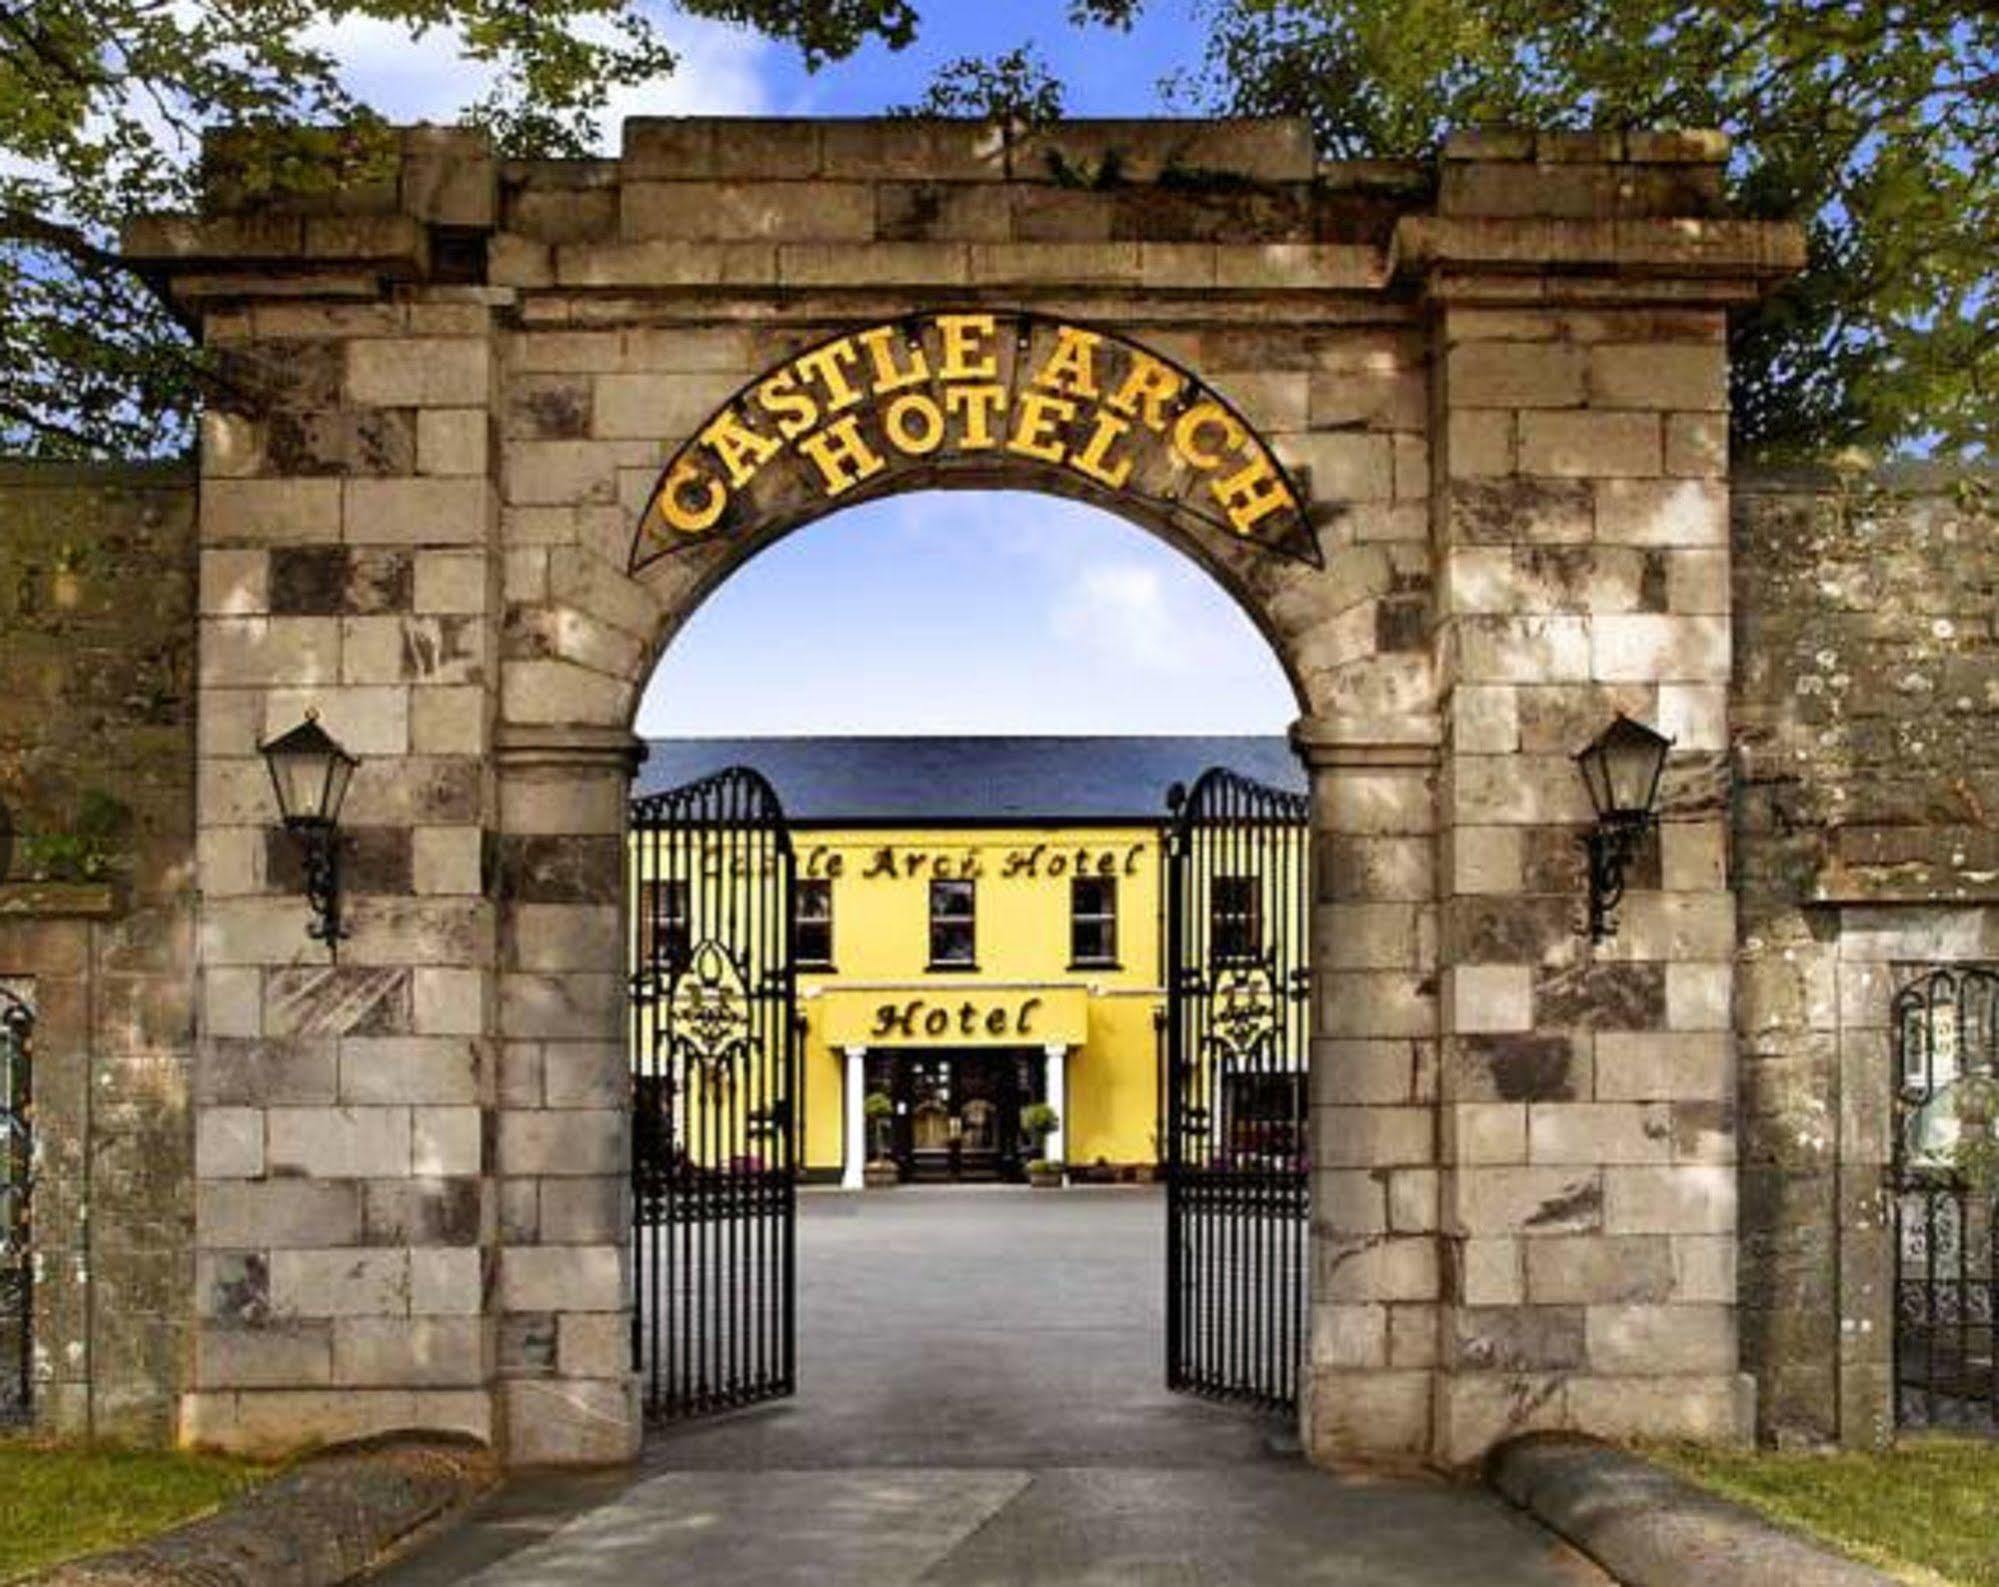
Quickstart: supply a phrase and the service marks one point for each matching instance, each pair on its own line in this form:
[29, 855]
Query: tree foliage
[1014, 87]
[103, 104]
[1876, 122]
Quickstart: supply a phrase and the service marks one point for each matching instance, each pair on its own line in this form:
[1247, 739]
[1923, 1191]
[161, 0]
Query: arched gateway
[1455, 438]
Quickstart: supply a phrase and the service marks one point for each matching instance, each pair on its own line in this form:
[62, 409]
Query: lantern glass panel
[1634, 773]
[339, 772]
[309, 772]
[1595, 778]
[1622, 768]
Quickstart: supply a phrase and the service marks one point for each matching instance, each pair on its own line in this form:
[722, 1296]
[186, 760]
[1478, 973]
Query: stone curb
[324, 1523]
[1649, 1528]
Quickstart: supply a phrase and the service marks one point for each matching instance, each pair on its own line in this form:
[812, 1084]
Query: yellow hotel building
[978, 928]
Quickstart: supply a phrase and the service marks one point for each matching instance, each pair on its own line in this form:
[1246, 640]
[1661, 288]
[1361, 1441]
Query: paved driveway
[980, 1402]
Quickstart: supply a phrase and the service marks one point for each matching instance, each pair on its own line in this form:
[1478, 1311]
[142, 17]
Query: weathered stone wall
[1866, 699]
[97, 571]
[1866, 679]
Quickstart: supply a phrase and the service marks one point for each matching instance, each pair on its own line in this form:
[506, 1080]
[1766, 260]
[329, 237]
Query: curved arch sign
[973, 397]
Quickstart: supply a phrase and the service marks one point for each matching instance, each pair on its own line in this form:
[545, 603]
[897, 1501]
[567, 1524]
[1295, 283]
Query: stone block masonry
[1586, 1118]
[1863, 699]
[97, 596]
[1497, 388]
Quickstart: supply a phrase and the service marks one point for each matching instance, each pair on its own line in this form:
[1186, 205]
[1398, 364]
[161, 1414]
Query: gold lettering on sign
[964, 337]
[737, 447]
[1071, 367]
[915, 424]
[1147, 390]
[973, 407]
[880, 343]
[1095, 459]
[794, 412]
[918, 1017]
[674, 502]
[844, 459]
[938, 388]
[828, 366]
[1034, 432]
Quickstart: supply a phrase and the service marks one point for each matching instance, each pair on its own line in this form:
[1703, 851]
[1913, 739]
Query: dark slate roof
[946, 779]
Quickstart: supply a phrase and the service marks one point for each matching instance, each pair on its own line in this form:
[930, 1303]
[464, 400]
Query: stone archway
[1302, 597]
[1499, 386]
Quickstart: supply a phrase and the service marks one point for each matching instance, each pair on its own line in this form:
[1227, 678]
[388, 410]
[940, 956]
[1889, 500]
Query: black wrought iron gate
[1238, 1027]
[715, 1104]
[17, 1168]
[1944, 1183]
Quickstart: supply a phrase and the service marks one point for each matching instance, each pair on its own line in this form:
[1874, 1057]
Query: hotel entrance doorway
[956, 1112]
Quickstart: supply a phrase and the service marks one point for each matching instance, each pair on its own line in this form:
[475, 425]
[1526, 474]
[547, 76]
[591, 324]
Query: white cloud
[719, 71]
[1118, 609]
[1132, 615]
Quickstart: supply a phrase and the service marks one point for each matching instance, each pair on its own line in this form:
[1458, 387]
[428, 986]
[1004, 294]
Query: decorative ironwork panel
[17, 1171]
[715, 1091]
[1942, 1182]
[1237, 1044]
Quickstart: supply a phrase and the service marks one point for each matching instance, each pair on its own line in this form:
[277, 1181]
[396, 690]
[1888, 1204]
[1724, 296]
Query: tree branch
[21, 226]
[38, 422]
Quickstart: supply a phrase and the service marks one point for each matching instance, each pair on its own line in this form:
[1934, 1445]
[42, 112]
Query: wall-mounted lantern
[310, 772]
[1621, 769]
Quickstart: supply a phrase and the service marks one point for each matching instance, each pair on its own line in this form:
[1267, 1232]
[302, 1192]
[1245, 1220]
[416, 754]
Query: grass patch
[62, 1500]
[1927, 1512]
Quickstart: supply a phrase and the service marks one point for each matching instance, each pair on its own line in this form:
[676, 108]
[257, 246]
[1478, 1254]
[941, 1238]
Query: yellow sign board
[972, 399]
[956, 1017]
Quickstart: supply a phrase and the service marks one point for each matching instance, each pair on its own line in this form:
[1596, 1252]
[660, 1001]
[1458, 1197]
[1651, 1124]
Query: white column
[1056, 1089]
[856, 1157]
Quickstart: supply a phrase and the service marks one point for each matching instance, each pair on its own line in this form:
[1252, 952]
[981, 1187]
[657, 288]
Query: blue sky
[969, 611]
[1107, 73]
[933, 613]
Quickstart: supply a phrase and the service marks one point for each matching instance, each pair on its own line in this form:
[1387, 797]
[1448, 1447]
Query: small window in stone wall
[1944, 1025]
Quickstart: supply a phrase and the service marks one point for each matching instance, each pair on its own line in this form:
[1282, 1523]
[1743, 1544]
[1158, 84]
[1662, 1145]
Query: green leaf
[105, 106]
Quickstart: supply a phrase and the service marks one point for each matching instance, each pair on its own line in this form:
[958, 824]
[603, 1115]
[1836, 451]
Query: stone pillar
[566, 1379]
[853, 1167]
[1374, 1281]
[1055, 1087]
[345, 1211]
[1580, 525]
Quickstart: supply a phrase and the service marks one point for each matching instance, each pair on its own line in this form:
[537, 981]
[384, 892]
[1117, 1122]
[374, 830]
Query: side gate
[715, 1106]
[1943, 1181]
[17, 1171]
[1237, 1041]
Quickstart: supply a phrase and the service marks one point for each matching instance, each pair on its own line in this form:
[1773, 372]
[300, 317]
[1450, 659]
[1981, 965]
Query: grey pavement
[981, 1402]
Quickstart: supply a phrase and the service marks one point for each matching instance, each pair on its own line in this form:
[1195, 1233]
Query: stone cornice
[1706, 259]
[536, 744]
[1374, 743]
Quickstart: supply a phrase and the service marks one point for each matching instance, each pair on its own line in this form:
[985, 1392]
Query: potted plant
[881, 1170]
[1038, 1121]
